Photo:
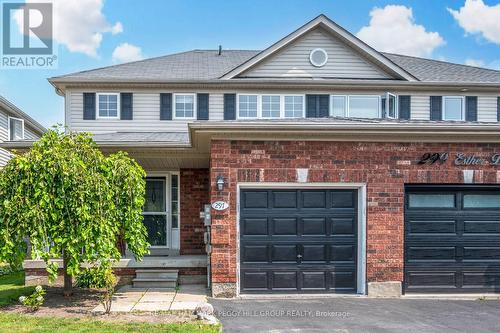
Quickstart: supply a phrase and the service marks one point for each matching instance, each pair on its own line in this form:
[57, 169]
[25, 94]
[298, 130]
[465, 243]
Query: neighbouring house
[331, 167]
[15, 125]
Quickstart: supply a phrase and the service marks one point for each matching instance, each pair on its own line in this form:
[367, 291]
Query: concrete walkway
[128, 299]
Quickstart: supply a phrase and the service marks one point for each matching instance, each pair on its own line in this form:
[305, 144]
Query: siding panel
[293, 61]
[487, 108]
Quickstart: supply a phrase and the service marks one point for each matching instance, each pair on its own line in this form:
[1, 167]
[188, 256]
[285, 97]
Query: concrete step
[154, 283]
[168, 274]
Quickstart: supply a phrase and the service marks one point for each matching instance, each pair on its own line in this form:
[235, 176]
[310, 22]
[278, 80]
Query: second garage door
[452, 239]
[298, 241]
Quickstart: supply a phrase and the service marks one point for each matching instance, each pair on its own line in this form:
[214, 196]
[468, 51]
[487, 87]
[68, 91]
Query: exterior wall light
[220, 183]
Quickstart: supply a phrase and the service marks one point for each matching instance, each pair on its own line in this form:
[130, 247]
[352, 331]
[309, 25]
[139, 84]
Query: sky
[96, 33]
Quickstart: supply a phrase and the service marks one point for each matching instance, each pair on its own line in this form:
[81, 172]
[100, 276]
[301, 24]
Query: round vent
[318, 57]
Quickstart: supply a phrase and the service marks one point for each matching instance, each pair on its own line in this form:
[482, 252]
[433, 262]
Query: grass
[28, 324]
[11, 287]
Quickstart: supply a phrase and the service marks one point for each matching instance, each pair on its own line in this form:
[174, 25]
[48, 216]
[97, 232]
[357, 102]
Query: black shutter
[89, 106]
[202, 106]
[229, 106]
[165, 106]
[317, 106]
[498, 108]
[404, 106]
[471, 108]
[126, 106]
[436, 107]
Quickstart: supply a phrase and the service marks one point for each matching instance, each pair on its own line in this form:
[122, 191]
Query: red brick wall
[194, 193]
[384, 167]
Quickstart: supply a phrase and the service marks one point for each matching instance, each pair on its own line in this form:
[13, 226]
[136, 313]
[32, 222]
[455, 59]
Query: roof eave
[11, 108]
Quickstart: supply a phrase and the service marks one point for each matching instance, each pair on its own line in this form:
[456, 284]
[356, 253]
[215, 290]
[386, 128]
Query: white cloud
[393, 29]
[79, 24]
[474, 62]
[475, 17]
[126, 52]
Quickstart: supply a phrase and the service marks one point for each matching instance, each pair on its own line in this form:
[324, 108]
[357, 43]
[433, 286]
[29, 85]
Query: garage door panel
[255, 254]
[285, 226]
[452, 249]
[254, 226]
[314, 226]
[314, 199]
[343, 226]
[424, 227]
[487, 228]
[314, 253]
[284, 253]
[284, 199]
[298, 241]
[284, 281]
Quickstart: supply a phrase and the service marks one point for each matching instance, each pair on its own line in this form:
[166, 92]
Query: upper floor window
[294, 106]
[184, 106]
[247, 106]
[16, 129]
[271, 106]
[364, 106]
[453, 108]
[108, 105]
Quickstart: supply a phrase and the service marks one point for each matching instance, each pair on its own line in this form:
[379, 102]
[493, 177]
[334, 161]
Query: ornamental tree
[69, 200]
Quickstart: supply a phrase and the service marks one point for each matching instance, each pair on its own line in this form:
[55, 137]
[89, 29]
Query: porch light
[220, 183]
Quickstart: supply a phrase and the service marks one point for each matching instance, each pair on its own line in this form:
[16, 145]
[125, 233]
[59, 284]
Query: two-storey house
[330, 166]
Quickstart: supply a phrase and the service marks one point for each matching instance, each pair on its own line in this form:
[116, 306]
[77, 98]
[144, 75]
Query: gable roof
[333, 28]
[14, 111]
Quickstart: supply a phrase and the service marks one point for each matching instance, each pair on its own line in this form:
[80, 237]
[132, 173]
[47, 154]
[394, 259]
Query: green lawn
[11, 287]
[27, 324]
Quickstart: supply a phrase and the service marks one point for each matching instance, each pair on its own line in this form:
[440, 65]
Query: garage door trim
[361, 223]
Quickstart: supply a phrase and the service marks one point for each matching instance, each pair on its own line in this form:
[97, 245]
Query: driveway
[358, 315]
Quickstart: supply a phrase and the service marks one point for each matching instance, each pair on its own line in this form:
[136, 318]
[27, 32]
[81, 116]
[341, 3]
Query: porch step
[155, 278]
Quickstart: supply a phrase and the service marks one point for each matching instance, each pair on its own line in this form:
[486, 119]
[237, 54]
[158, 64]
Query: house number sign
[220, 205]
[459, 159]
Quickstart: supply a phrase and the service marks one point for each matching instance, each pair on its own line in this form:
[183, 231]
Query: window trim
[379, 105]
[258, 96]
[443, 103]
[8, 127]
[174, 108]
[118, 105]
[303, 115]
[396, 105]
[346, 105]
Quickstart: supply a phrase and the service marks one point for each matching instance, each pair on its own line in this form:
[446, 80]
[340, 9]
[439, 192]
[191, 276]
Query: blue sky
[88, 38]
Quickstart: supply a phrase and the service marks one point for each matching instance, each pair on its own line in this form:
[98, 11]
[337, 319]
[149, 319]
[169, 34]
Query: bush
[35, 300]
[92, 277]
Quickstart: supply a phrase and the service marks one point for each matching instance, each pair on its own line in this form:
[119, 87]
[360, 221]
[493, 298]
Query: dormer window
[108, 105]
[16, 129]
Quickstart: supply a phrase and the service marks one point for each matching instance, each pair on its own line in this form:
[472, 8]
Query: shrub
[92, 277]
[35, 300]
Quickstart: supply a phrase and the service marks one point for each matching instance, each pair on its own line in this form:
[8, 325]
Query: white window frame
[118, 106]
[259, 114]
[8, 127]
[396, 107]
[174, 108]
[348, 113]
[346, 99]
[303, 115]
[260, 106]
[443, 109]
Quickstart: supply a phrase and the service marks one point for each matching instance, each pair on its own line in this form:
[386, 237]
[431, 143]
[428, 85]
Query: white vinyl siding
[293, 61]
[420, 107]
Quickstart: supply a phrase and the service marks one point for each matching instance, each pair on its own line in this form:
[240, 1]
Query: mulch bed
[81, 304]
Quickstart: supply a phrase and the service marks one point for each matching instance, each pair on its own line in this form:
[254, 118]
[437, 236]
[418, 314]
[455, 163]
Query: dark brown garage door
[298, 241]
[452, 239]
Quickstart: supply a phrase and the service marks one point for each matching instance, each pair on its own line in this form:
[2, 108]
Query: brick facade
[384, 167]
[194, 193]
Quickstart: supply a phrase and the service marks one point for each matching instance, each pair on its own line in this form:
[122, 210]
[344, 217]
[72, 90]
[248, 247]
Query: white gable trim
[335, 29]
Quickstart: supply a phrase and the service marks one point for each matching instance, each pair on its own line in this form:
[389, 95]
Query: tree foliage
[66, 196]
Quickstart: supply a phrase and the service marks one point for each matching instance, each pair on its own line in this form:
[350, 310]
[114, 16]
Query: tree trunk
[68, 283]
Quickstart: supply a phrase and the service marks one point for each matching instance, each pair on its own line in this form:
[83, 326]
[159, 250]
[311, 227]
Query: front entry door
[155, 212]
